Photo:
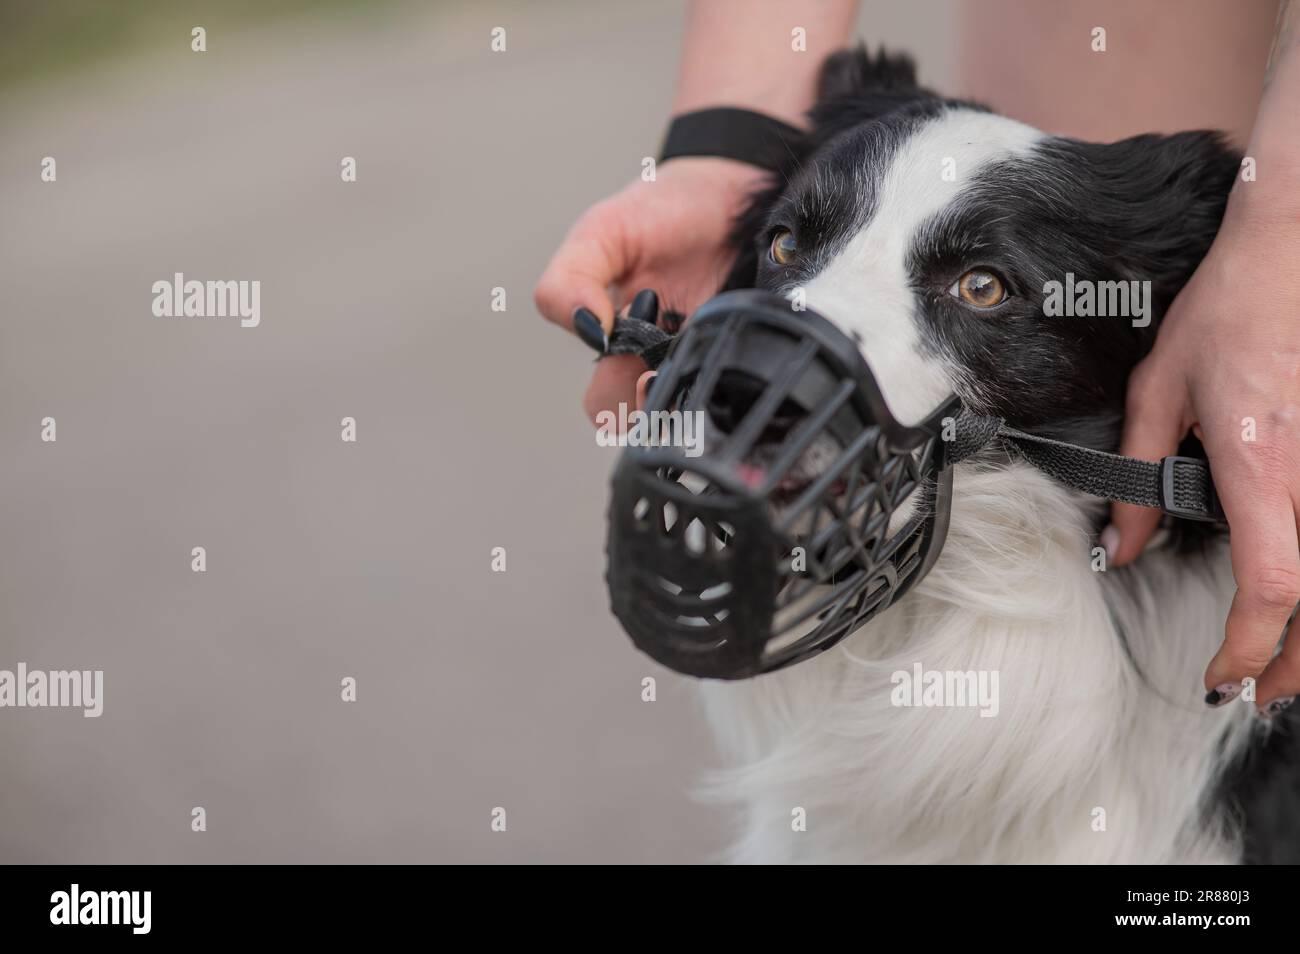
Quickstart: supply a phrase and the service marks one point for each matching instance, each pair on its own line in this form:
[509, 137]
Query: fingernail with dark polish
[587, 327]
[1220, 695]
[645, 306]
[1278, 706]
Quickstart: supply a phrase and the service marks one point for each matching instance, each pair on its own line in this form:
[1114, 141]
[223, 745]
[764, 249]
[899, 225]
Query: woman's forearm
[1275, 139]
[746, 53]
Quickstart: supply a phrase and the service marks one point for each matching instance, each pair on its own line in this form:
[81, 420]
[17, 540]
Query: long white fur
[1015, 591]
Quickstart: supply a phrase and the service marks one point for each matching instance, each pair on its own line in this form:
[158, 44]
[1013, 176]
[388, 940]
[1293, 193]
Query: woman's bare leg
[1168, 66]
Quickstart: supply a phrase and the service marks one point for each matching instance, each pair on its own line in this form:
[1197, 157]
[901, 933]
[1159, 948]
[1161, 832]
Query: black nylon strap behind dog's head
[1179, 486]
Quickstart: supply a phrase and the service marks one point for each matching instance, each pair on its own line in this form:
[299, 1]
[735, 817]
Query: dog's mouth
[803, 501]
[729, 409]
[790, 487]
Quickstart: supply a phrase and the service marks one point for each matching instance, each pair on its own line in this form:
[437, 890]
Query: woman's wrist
[734, 180]
[1267, 193]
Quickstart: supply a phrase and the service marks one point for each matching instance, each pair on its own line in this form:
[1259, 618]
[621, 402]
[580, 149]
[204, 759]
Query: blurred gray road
[325, 559]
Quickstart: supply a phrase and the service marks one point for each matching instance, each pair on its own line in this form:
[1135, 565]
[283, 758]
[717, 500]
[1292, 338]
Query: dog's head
[963, 250]
[964, 254]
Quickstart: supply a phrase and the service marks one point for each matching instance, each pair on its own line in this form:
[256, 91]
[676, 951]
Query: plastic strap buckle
[1177, 505]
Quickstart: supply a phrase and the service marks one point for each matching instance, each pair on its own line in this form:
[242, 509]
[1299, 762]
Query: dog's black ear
[856, 87]
[1147, 207]
[857, 73]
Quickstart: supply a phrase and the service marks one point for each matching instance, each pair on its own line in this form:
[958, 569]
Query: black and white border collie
[928, 229]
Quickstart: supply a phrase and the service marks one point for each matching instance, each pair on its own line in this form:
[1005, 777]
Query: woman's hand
[1227, 362]
[670, 234]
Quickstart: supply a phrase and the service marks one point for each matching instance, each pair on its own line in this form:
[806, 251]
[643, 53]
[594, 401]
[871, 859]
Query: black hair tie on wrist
[727, 132]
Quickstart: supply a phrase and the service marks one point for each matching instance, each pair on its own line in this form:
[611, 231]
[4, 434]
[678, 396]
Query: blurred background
[326, 559]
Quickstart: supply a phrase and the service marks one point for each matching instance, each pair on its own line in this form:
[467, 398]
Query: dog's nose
[734, 397]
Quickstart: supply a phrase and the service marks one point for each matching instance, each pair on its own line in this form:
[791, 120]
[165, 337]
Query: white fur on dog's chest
[1085, 761]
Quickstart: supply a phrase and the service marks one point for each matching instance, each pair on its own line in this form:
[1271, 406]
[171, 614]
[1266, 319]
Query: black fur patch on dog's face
[1142, 210]
[884, 229]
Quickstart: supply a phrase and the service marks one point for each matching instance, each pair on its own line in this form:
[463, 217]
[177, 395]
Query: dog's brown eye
[783, 247]
[979, 287]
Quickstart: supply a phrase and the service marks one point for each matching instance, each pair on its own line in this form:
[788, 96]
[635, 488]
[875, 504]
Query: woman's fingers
[1153, 426]
[590, 331]
[1280, 683]
[645, 306]
[1268, 586]
[622, 378]
[643, 387]
[593, 256]
[1266, 564]
[613, 383]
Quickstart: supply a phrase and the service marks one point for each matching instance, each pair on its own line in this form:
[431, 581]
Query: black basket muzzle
[806, 510]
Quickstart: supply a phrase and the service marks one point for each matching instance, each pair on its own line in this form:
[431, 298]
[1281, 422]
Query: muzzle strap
[1179, 486]
[644, 339]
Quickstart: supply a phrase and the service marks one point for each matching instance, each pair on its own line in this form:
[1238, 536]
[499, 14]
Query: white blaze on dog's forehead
[866, 289]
